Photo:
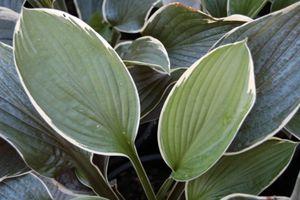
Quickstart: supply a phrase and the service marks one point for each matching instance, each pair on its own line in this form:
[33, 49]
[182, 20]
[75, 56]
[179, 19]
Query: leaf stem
[177, 191]
[165, 189]
[134, 158]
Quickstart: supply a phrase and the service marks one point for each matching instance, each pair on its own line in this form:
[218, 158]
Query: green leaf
[60, 5]
[40, 146]
[248, 172]
[41, 3]
[273, 41]
[146, 51]
[127, 15]
[245, 7]
[187, 34]
[280, 4]
[25, 187]
[15, 5]
[8, 19]
[216, 8]
[91, 99]
[197, 123]
[252, 197]
[192, 3]
[152, 85]
[11, 163]
[294, 125]
[296, 192]
[89, 198]
[91, 12]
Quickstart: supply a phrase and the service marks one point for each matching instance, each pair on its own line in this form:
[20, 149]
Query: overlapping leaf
[127, 15]
[280, 4]
[296, 192]
[8, 19]
[11, 162]
[248, 172]
[197, 123]
[25, 187]
[187, 34]
[216, 8]
[15, 5]
[192, 3]
[89, 198]
[146, 51]
[40, 146]
[245, 7]
[274, 44]
[90, 99]
[41, 3]
[294, 125]
[252, 197]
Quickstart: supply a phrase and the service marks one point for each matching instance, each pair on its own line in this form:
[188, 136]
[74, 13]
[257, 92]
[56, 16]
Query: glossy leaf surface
[249, 172]
[274, 44]
[187, 34]
[197, 124]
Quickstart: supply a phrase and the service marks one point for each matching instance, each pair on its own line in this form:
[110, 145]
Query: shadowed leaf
[216, 8]
[245, 7]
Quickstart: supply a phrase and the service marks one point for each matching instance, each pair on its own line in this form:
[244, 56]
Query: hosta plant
[218, 83]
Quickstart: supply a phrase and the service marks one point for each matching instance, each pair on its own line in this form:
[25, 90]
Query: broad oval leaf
[280, 4]
[40, 146]
[245, 7]
[216, 8]
[192, 3]
[294, 125]
[146, 51]
[15, 5]
[90, 98]
[25, 187]
[187, 34]
[11, 163]
[274, 44]
[8, 19]
[252, 197]
[248, 172]
[127, 15]
[197, 123]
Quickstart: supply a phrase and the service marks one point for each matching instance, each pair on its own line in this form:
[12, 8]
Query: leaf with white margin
[197, 123]
[245, 7]
[40, 146]
[216, 8]
[280, 4]
[11, 163]
[248, 172]
[90, 97]
[252, 197]
[274, 43]
[15, 5]
[294, 125]
[8, 19]
[26, 187]
[192, 3]
[187, 34]
[127, 15]
[146, 51]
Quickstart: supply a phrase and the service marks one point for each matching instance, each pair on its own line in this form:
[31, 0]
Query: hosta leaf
[252, 197]
[245, 7]
[41, 3]
[294, 125]
[248, 172]
[89, 198]
[127, 15]
[152, 85]
[87, 8]
[25, 187]
[217, 8]
[15, 5]
[197, 123]
[274, 44]
[8, 19]
[187, 34]
[146, 51]
[11, 164]
[40, 146]
[90, 99]
[296, 192]
[192, 3]
[61, 5]
[279, 4]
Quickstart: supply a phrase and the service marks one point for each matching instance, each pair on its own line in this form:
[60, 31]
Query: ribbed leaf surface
[248, 172]
[187, 34]
[274, 44]
[82, 89]
[192, 3]
[128, 15]
[280, 4]
[197, 122]
[8, 19]
[217, 8]
[245, 7]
